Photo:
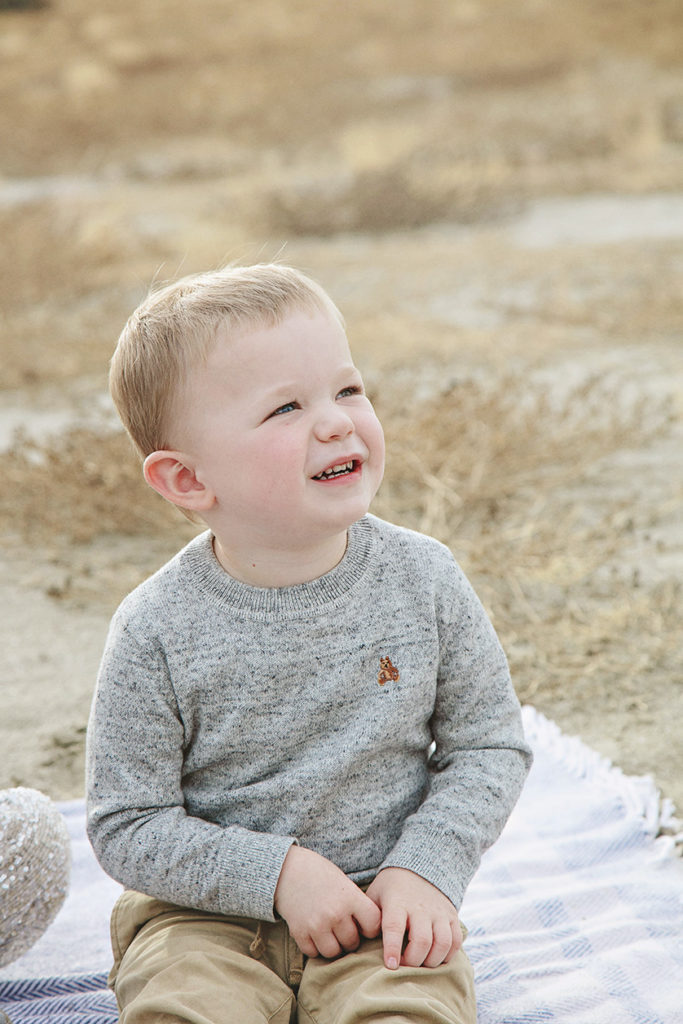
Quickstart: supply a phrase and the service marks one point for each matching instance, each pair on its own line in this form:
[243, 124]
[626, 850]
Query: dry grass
[499, 472]
[60, 309]
[87, 73]
[77, 489]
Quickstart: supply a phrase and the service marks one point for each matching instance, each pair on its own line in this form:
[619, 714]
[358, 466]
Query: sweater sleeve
[480, 758]
[137, 822]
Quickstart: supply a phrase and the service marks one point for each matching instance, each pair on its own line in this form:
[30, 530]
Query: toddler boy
[304, 733]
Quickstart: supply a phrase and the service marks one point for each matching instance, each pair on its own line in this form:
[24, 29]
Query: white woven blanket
[576, 914]
[575, 917]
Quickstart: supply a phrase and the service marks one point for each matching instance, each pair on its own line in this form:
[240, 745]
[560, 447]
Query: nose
[333, 423]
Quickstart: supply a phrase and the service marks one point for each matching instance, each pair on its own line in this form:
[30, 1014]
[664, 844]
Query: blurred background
[491, 192]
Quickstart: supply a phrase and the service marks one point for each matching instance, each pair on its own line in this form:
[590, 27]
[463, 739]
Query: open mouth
[342, 469]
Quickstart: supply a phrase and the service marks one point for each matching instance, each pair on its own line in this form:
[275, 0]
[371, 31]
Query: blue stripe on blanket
[81, 999]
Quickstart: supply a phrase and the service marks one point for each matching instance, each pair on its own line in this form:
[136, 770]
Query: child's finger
[443, 945]
[420, 940]
[305, 944]
[393, 932]
[368, 916]
[327, 945]
[346, 934]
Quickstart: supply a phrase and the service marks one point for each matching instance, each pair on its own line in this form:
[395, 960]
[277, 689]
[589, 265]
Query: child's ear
[172, 475]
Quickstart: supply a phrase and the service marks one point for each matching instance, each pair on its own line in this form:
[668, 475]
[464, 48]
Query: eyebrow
[290, 388]
[279, 392]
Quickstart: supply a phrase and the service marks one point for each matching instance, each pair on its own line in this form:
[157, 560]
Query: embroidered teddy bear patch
[387, 672]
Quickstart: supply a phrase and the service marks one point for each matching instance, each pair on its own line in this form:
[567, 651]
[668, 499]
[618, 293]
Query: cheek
[375, 438]
[373, 435]
[280, 458]
[379, 467]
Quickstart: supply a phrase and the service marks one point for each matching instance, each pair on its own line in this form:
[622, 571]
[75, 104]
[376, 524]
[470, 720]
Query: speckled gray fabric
[230, 721]
[35, 863]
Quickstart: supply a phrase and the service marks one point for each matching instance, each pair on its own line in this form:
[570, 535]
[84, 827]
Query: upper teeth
[344, 467]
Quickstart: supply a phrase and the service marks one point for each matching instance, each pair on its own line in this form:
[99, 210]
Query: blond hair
[176, 326]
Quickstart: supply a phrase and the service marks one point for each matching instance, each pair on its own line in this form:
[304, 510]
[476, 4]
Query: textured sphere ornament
[35, 863]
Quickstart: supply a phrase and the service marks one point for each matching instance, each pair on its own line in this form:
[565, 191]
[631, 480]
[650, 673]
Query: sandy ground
[495, 199]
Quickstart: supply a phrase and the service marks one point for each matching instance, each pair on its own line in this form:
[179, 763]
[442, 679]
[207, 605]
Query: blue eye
[353, 389]
[287, 407]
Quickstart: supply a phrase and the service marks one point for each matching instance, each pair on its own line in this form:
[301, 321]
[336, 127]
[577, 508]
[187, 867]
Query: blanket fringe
[638, 793]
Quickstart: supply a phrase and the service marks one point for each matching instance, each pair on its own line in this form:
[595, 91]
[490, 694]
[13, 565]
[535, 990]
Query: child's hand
[325, 910]
[410, 903]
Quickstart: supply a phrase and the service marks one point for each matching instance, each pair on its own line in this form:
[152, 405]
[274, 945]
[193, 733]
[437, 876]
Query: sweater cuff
[251, 876]
[437, 858]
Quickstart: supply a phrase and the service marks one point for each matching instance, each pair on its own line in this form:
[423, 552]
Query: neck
[267, 567]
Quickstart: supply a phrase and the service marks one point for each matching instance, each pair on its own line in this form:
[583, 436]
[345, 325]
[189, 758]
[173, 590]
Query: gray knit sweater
[367, 715]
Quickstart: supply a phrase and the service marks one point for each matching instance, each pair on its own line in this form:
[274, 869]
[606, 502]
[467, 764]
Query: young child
[304, 733]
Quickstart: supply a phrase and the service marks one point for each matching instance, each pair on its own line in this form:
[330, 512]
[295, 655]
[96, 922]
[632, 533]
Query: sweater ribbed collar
[202, 567]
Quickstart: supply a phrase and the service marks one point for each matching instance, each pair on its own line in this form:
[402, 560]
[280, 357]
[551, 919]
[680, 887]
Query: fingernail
[392, 963]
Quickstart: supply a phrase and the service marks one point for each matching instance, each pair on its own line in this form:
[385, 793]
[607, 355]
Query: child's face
[279, 428]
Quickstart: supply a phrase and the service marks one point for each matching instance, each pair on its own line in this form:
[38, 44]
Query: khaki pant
[175, 964]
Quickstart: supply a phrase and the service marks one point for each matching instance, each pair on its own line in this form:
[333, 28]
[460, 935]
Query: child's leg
[358, 987]
[175, 964]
